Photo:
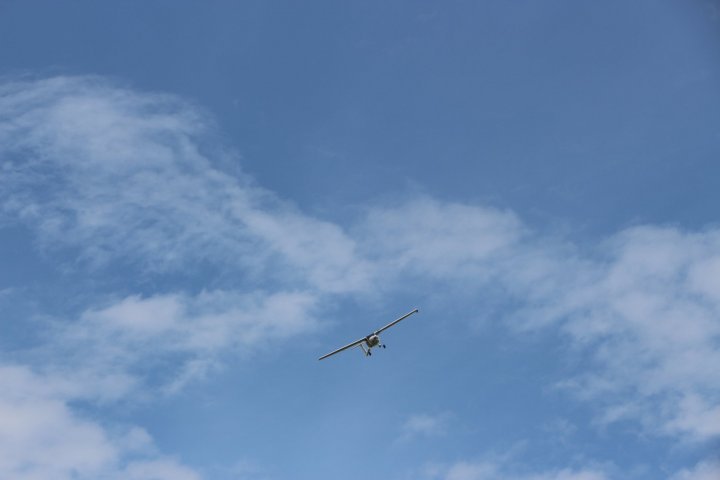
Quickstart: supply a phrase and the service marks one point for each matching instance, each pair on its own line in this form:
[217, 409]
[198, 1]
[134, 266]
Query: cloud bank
[41, 437]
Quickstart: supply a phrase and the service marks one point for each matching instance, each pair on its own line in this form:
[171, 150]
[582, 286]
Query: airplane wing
[349, 345]
[396, 321]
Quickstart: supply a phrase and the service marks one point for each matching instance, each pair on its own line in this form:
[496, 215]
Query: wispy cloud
[137, 177]
[427, 237]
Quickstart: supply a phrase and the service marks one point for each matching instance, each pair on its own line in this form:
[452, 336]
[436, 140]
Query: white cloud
[424, 425]
[136, 348]
[655, 333]
[183, 336]
[43, 438]
[209, 321]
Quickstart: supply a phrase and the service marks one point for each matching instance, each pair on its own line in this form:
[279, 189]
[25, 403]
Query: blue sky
[198, 200]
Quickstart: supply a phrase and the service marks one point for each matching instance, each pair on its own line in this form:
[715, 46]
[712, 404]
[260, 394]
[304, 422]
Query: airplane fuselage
[371, 341]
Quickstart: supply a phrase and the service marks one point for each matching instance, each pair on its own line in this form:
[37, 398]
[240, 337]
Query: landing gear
[384, 346]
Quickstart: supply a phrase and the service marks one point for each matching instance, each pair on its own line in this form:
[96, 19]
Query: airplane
[372, 340]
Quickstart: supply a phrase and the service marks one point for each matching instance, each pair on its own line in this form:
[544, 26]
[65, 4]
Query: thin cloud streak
[502, 470]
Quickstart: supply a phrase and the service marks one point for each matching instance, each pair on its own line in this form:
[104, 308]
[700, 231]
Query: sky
[197, 200]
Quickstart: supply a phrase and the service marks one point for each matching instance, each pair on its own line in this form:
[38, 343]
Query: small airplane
[372, 340]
